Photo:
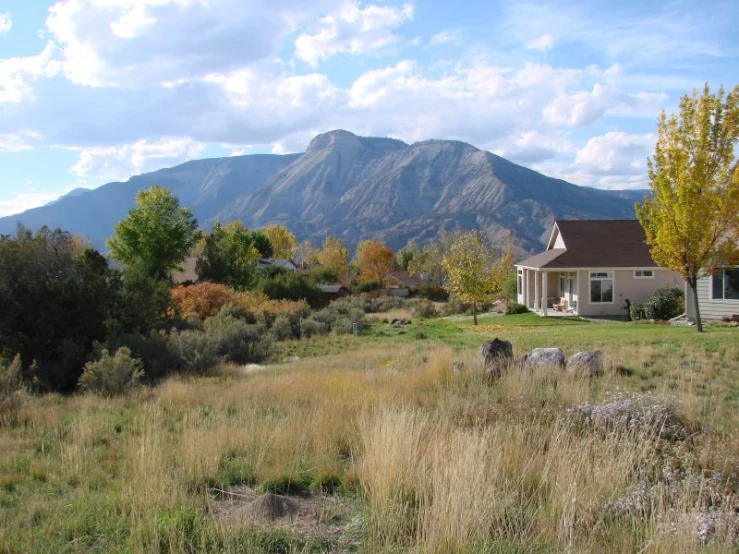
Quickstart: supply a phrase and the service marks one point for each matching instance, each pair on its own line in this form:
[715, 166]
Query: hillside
[354, 188]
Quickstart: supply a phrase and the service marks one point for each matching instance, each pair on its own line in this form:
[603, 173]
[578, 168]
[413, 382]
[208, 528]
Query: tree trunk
[693, 283]
[474, 312]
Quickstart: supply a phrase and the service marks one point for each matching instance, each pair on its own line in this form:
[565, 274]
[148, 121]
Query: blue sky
[93, 91]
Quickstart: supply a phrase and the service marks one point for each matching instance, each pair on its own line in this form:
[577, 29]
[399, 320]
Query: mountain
[354, 188]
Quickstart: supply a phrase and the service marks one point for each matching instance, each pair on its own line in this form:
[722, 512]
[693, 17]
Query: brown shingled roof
[596, 243]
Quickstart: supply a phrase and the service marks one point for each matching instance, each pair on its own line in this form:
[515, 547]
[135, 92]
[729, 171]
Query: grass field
[382, 444]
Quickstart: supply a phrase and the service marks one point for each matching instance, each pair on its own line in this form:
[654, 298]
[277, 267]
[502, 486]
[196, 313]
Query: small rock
[543, 357]
[587, 363]
[497, 355]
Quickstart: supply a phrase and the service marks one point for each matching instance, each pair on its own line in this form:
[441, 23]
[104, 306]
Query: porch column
[526, 288]
[546, 292]
[537, 292]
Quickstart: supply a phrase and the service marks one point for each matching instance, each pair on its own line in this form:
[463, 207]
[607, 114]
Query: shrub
[424, 308]
[666, 303]
[235, 340]
[112, 375]
[203, 299]
[516, 308]
[153, 351]
[454, 306]
[311, 327]
[293, 286]
[282, 329]
[636, 311]
[194, 350]
[343, 325]
[366, 286]
[11, 388]
[430, 291]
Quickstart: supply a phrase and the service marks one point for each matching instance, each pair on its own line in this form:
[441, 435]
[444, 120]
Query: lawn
[395, 442]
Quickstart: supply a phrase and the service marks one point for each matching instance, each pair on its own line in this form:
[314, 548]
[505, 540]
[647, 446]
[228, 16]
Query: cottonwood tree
[157, 234]
[374, 261]
[691, 222]
[334, 256]
[475, 271]
[283, 242]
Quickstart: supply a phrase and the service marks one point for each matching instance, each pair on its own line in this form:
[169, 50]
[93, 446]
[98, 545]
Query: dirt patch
[323, 515]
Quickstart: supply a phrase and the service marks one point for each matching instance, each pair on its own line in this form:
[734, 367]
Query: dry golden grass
[442, 460]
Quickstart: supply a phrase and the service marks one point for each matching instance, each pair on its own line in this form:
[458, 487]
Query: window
[520, 282]
[643, 273]
[601, 287]
[725, 285]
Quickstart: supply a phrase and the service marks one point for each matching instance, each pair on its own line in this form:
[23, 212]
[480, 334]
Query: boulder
[497, 355]
[587, 363]
[543, 357]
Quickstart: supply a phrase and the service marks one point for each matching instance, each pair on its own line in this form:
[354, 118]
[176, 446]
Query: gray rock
[587, 363]
[497, 355]
[543, 357]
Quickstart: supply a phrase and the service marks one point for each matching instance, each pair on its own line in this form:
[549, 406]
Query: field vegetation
[393, 442]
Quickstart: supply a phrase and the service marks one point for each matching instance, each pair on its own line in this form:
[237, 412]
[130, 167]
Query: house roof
[331, 289]
[595, 243]
[405, 278]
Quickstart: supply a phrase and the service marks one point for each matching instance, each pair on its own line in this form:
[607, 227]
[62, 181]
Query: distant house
[718, 295]
[288, 265]
[403, 279]
[590, 268]
[332, 292]
[188, 273]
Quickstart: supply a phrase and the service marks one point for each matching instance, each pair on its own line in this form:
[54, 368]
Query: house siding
[711, 310]
[625, 286]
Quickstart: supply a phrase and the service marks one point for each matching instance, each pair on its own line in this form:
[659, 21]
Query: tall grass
[437, 459]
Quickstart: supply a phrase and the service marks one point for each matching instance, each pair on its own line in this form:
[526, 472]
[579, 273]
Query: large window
[725, 285]
[601, 287]
[519, 282]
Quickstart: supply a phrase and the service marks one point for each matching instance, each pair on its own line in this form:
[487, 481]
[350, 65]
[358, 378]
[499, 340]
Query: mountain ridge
[355, 188]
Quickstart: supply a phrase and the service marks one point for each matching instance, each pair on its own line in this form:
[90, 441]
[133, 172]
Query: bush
[282, 329]
[454, 306]
[11, 389]
[235, 340]
[636, 311]
[666, 303]
[311, 327]
[516, 308]
[366, 286]
[424, 308]
[435, 293]
[153, 351]
[293, 286]
[195, 351]
[112, 375]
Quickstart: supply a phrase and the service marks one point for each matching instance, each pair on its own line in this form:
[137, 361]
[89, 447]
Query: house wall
[711, 310]
[625, 286]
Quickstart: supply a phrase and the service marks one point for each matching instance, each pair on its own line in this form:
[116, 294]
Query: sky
[94, 91]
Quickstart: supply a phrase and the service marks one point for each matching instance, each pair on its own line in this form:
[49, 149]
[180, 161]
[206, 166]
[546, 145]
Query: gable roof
[332, 289]
[595, 243]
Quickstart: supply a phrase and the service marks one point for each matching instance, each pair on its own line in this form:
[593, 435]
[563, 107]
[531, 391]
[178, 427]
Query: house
[590, 268]
[287, 265]
[403, 279]
[332, 292]
[718, 296]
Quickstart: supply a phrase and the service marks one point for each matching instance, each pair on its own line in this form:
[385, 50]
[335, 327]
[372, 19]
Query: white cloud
[6, 23]
[353, 29]
[122, 162]
[444, 37]
[544, 43]
[21, 201]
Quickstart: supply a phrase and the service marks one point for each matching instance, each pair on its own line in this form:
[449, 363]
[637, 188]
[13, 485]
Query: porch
[548, 293]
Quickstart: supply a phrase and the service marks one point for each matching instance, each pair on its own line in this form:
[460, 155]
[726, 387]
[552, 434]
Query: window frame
[602, 276]
[642, 271]
[722, 274]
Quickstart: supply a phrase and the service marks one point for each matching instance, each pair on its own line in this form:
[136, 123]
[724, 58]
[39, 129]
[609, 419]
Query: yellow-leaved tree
[334, 256]
[475, 271]
[374, 261]
[691, 222]
[283, 242]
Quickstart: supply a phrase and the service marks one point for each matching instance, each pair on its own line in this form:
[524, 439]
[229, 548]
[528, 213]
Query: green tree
[229, 254]
[691, 222]
[475, 271]
[55, 301]
[157, 234]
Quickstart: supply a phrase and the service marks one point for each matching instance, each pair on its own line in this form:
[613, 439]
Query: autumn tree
[691, 221]
[307, 254]
[157, 234]
[283, 242]
[428, 259]
[406, 256]
[374, 261]
[474, 270]
[334, 256]
[229, 254]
